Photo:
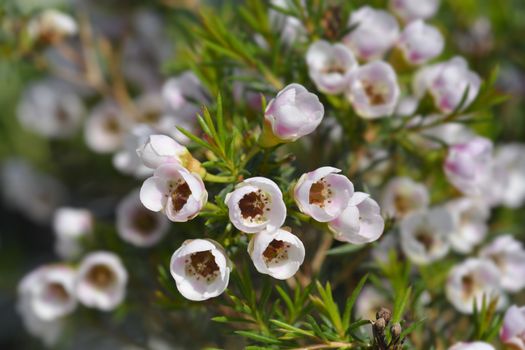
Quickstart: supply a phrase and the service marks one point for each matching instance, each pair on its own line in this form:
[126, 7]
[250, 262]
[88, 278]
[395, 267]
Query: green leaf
[351, 301]
[345, 249]
[258, 337]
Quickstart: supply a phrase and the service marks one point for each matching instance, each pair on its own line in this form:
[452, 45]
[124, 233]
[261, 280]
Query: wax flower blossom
[330, 66]
[477, 345]
[106, 128]
[138, 225]
[509, 175]
[184, 91]
[323, 194]
[126, 160]
[425, 235]
[255, 205]
[70, 226]
[291, 28]
[403, 195]
[376, 32]
[448, 82]
[410, 10]
[420, 42]
[470, 217]
[51, 25]
[512, 332]
[200, 269]
[508, 255]
[278, 253]
[468, 165]
[361, 222]
[374, 91]
[101, 281]
[293, 113]
[471, 281]
[160, 149]
[172, 189]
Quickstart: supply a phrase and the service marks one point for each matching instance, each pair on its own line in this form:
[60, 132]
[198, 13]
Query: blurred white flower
[468, 165]
[278, 253]
[425, 235]
[291, 28]
[323, 194]
[293, 113]
[448, 133]
[410, 10]
[51, 109]
[508, 255]
[159, 149]
[35, 194]
[138, 225]
[376, 32]
[184, 90]
[70, 226]
[101, 281]
[420, 42]
[330, 66]
[51, 25]
[512, 333]
[126, 160]
[360, 222]
[403, 195]
[369, 302]
[175, 191]
[374, 91]
[508, 176]
[406, 106]
[106, 128]
[470, 217]
[200, 269]
[447, 82]
[471, 281]
[477, 345]
[255, 205]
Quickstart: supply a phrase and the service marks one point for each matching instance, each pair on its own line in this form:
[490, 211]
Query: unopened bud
[385, 314]
[380, 324]
[396, 330]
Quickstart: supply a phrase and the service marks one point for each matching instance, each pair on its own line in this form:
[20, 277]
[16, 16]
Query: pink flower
[410, 10]
[420, 42]
[512, 332]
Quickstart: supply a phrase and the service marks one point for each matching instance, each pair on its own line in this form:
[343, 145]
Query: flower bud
[410, 10]
[385, 314]
[374, 91]
[330, 66]
[293, 113]
[200, 269]
[513, 329]
[160, 149]
[278, 254]
[420, 42]
[376, 32]
[255, 205]
[323, 194]
[172, 189]
[101, 281]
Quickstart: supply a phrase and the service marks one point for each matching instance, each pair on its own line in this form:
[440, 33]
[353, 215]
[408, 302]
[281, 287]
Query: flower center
[276, 251]
[144, 221]
[253, 205]
[56, 291]
[334, 68]
[320, 193]
[376, 94]
[111, 125]
[425, 238]
[151, 117]
[402, 204]
[202, 264]
[469, 286]
[180, 195]
[101, 276]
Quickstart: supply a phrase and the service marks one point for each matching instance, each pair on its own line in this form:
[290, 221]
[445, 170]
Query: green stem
[211, 207]
[218, 178]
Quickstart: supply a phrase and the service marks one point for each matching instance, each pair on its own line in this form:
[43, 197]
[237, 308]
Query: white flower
[360, 222]
[508, 255]
[468, 165]
[255, 205]
[126, 160]
[160, 149]
[184, 90]
[410, 10]
[293, 113]
[175, 191]
[291, 28]
[448, 133]
[470, 223]
[447, 82]
[470, 281]
[477, 345]
[323, 194]
[51, 25]
[369, 302]
[424, 235]
[70, 226]
[49, 332]
[406, 106]
[105, 128]
[278, 253]
[49, 291]
[374, 91]
[51, 109]
[101, 281]
[330, 66]
[420, 42]
[509, 175]
[376, 32]
[512, 332]
[200, 269]
[138, 225]
[403, 195]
